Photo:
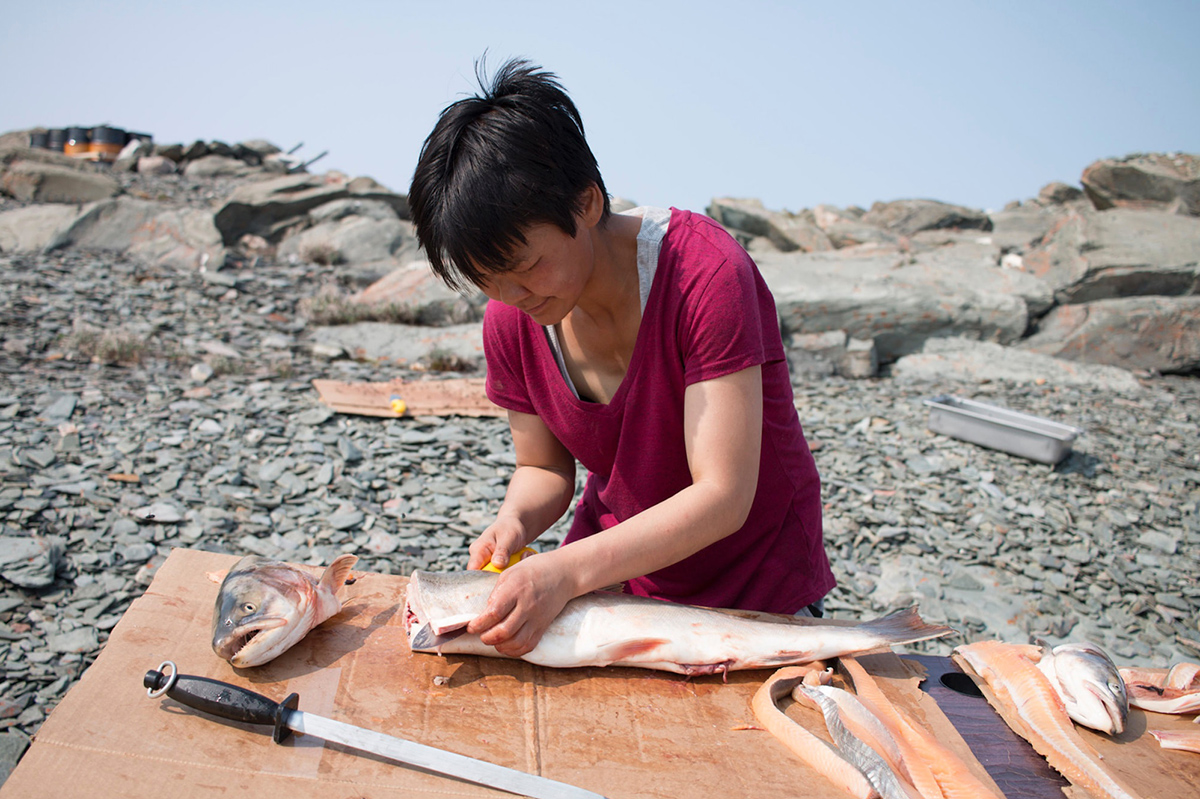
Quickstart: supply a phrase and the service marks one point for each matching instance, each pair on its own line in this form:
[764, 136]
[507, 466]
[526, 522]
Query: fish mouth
[235, 643]
[1112, 706]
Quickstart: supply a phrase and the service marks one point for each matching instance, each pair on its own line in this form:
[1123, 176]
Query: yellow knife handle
[517, 558]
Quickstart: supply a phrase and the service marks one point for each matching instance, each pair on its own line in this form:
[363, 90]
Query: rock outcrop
[909, 271]
[35, 182]
[1157, 181]
[1160, 333]
[1106, 274]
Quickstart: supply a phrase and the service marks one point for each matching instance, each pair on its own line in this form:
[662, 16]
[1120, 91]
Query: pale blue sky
[794, 103]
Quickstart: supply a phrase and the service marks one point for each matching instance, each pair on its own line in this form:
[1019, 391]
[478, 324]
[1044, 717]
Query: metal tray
[999, 428]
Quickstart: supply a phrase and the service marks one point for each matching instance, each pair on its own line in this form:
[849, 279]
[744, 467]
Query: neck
[614, 277]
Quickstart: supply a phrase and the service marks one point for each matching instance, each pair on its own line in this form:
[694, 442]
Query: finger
[480, 551]
[500, 556]
[502, 629]
[521, 643]
[495, 613]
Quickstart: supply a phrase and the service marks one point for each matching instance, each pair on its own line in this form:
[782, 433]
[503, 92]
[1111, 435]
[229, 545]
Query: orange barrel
[77, 141]
[56, 138]
[107, 142]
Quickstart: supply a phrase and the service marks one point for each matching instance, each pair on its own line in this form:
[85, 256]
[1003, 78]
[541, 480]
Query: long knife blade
[238, 704]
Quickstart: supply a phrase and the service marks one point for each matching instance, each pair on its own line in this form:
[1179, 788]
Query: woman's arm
[539, 492]
[723, 438]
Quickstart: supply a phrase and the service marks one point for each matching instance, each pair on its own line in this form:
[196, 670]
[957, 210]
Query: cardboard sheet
[1134, 758]
[625, 733]
[449, 397]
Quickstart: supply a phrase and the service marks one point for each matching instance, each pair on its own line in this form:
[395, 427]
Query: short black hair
[495, 164]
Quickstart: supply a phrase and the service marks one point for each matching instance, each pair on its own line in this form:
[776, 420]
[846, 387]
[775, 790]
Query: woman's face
[549, 273]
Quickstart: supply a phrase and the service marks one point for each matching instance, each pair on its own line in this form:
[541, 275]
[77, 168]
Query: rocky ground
[146, 408]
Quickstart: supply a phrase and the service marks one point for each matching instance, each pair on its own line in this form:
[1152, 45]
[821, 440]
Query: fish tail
[335, 575]
[904, 627]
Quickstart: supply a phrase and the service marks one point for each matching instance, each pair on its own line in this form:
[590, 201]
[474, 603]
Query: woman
[646, 346]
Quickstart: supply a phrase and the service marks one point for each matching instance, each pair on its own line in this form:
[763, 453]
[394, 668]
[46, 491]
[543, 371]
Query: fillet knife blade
[238, 704]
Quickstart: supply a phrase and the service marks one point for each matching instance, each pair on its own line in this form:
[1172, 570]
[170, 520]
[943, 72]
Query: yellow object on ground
[399, 406]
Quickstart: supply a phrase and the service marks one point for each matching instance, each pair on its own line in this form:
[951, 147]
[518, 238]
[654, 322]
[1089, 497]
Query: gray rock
[846, 229]
[131, 154]
[898, 300]
[156, 165]
[60, 408]
[1158, 181]
[159, 513]
[354, 206]
[356, 241]
[267, 208]
[1019, 230]
[29, 181]
[182, 238]
[951, 360]
[31, 228]
[1161, 333]
[30, 562]
[786, 231]
[408, 344]
[907, 217]
[413, 286]
[1058, 193]
[171, 152]
[259, 208]
[138, 553]
[261, 147]
[217, 166]
[345, 519]
[1121, 253]
[12, 747]
[77, 641]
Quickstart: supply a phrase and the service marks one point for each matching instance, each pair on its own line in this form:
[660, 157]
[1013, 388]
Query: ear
[592, 206]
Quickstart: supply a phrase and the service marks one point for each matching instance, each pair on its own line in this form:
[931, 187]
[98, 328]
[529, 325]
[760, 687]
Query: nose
[509, 291]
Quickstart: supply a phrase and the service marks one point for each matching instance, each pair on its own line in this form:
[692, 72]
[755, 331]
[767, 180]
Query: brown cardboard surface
[450, 397]
[1134, 758]
[625, 733]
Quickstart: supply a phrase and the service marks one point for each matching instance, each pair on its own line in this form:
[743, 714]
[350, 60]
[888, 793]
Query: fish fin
[335, 575]
[631, 647]
[904, 627]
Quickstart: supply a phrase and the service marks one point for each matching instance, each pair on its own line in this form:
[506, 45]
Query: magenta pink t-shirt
[709, 313]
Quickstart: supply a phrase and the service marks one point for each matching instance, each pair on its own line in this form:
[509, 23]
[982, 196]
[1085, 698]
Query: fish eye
[249, 607]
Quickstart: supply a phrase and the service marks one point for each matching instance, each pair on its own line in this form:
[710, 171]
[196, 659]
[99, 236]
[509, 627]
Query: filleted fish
[610, 629]
[1034, 710]
[1176, 690]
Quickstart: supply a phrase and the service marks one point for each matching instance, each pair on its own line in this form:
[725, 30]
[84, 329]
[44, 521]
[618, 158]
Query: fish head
[1091, 686]
[262, 609]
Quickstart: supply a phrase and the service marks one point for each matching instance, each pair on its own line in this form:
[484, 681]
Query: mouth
[232, 647]
[1112, 707]
[541, 306]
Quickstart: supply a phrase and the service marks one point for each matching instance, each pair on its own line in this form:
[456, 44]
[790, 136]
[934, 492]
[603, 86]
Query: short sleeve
[723, 327]
[506, 381]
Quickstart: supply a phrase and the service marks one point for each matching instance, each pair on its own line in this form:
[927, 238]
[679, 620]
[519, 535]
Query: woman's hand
[499, 542]
[528, 596]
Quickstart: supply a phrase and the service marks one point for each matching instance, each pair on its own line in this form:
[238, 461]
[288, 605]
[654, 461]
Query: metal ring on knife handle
[154, 693]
